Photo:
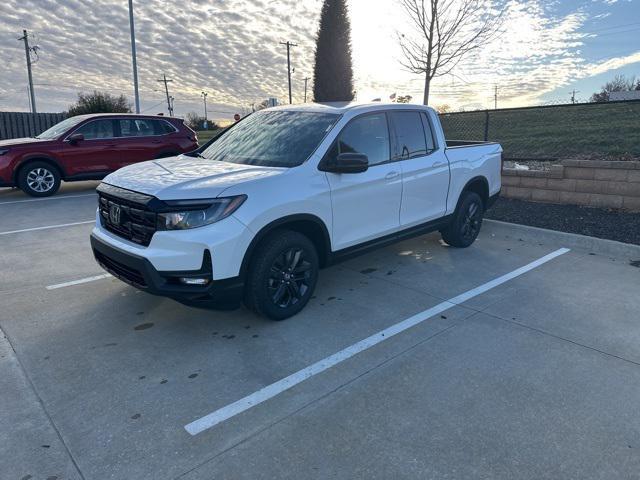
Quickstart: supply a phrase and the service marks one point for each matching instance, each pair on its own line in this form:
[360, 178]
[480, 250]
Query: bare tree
[445, 32]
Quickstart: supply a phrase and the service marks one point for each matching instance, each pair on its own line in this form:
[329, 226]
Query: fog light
[194, 281]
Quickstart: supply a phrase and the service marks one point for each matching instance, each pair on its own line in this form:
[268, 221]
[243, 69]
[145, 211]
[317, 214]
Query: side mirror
[348, 163]
[75, 138]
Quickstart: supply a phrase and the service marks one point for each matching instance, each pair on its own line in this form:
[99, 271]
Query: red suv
[88, 147]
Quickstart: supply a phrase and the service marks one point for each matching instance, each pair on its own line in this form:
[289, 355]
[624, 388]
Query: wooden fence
[21, 124]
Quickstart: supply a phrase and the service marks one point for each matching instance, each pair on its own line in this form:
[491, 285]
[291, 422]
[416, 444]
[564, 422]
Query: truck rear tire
[467, 220]
[282, 275]
[39, 179]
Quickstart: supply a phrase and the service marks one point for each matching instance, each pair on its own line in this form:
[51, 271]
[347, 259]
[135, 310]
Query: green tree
[99, 102]
[333, 71]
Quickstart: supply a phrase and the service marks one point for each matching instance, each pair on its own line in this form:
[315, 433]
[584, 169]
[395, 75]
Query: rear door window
[410, 135]
[142, 127]
[97, 129]
[428, 133]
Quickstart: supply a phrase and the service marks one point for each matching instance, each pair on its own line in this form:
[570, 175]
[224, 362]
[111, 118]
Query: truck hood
[185, 178]
[21, 142]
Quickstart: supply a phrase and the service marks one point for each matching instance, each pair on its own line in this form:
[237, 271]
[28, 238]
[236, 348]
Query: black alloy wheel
[466, 223]
[282, 275]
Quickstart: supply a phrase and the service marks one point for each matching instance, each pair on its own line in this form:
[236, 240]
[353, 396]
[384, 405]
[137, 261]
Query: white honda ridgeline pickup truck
[253, 216]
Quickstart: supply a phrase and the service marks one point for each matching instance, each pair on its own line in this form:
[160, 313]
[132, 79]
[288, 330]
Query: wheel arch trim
[479, 179]
[37, 158]
[295, 221]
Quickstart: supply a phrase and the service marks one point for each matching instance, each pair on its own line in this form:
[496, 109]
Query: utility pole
[573, 95]
[289, 45]
[166, 90]
[306, 79]
[133, 58]
[495, 98]
[27, 51]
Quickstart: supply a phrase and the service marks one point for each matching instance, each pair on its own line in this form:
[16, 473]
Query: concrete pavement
[538, 377]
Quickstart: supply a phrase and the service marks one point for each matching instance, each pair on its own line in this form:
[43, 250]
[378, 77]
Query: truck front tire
[467, 220]
[282, 275]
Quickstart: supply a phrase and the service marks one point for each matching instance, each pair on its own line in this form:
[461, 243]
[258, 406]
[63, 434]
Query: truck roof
[339, 108]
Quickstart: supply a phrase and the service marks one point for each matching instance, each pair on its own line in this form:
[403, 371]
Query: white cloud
[231, 49]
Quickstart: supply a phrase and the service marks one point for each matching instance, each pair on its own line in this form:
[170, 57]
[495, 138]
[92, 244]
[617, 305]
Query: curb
[570, 240]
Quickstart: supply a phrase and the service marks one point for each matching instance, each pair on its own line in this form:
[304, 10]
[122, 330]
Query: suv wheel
[467, 220]
[39, 179]
[282, 275]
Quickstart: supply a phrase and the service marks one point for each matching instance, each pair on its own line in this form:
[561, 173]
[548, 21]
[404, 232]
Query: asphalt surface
[534, 376]
[611, 224]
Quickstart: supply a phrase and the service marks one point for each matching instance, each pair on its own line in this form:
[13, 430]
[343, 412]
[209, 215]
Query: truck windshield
[60, 128]
[272, 139]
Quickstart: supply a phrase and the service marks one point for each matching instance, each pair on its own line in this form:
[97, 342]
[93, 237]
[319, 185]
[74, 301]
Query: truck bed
[466, 143]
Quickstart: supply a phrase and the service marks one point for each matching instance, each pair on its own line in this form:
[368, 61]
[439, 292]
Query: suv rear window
[144, 127]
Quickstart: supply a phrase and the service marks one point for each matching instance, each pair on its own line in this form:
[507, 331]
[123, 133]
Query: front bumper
[140, 273]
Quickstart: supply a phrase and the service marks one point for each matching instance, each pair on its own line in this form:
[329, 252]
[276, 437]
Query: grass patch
[602, 131]
[205, 135]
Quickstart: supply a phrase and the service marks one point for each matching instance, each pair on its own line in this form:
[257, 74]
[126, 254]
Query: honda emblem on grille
[114, 214]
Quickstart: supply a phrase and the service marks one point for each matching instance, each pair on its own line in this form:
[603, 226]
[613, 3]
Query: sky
[231, 49]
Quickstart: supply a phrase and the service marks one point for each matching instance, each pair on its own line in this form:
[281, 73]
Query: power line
[153, 106]
[613, 27]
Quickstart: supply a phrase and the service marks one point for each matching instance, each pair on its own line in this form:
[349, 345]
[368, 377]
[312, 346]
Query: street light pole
[204, 99]
[133, 57]
[306, 79]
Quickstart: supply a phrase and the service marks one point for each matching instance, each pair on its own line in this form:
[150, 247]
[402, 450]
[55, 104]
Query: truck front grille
[126, 214]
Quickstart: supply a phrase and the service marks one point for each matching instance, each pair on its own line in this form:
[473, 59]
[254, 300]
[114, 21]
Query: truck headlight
[216, 210]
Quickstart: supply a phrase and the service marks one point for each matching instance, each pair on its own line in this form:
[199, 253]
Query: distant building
[627, 95]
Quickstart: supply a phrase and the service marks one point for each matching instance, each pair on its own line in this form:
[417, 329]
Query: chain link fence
[608, 131]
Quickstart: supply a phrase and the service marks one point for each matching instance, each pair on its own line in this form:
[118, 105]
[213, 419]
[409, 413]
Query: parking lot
[514, 358]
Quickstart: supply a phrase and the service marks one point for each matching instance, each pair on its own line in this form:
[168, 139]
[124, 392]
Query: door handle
[438, 164]
[391, 175]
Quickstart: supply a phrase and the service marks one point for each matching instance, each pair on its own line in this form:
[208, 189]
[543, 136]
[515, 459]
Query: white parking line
[270, 391]
[47, 227]
[78, 282]
[48, 198]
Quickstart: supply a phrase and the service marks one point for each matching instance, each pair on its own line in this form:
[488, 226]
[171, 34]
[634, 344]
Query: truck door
[425, 168]
[365, 205]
